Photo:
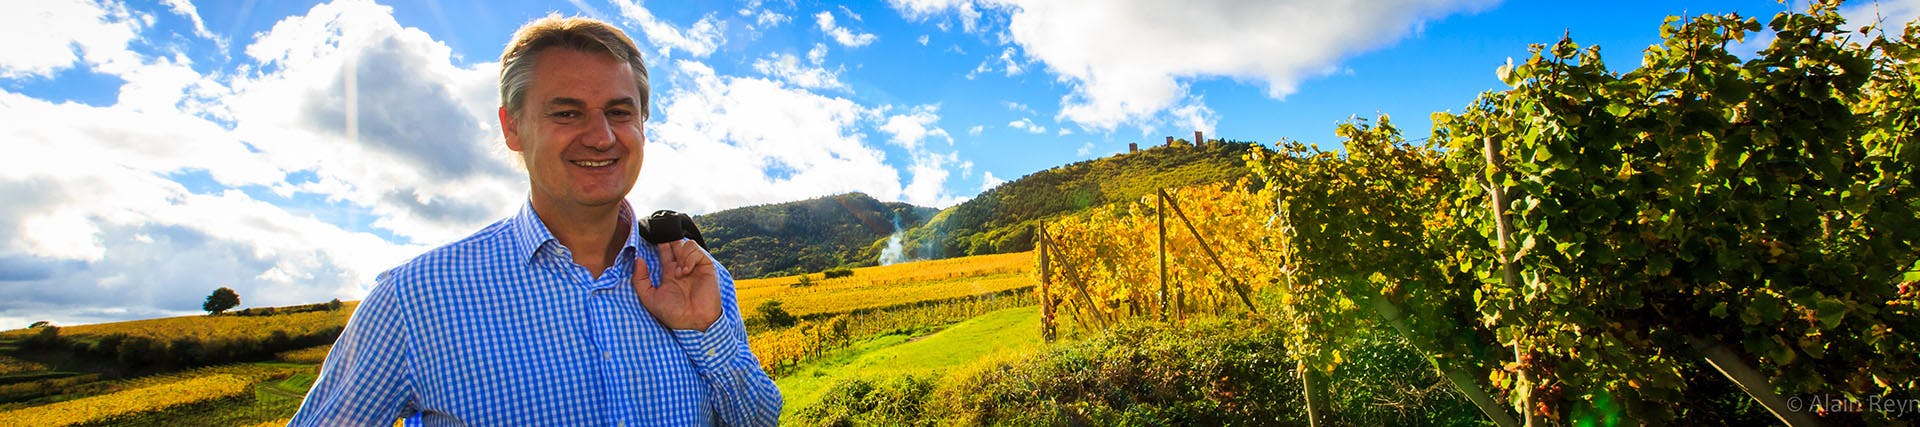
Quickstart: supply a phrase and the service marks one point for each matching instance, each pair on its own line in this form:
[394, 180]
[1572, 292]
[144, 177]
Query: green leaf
[1781, 352]
[1618, 110]
[1830, 312]
[1719, 310]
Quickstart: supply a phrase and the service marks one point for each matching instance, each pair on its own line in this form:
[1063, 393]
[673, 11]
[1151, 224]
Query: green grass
[1004, 331]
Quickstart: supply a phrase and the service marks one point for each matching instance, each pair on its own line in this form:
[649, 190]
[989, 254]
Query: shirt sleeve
[365, 379]
[738, 390]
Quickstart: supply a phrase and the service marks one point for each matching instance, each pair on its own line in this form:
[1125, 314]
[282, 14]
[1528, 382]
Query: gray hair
[578, 33]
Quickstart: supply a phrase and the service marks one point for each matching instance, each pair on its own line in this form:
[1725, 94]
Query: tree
[40, 324]
[221, 300]
[776, 317]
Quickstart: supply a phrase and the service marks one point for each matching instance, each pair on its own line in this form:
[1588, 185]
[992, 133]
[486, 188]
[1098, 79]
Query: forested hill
[1001, 219]
[804, 236]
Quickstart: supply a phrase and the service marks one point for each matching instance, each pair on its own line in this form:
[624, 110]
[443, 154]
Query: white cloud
[1888, 15]
[699, 40]
[1127, 76]
[1191, 116]
[930, 173]
[817, 54]
[788, 69]
[118, 235]
[924, 39]
[186, 10]
[44, 35]
[768, 18]
[1017, 107]
[930, 169]
[844, 36]
[976, 130]
[988, 181]
[383, 119]
[921, 10]
[910, 129]
[1009, 63]
[1085, 149]
[1063, 132]
[728, 141]
[1027, 125]
[762, 18]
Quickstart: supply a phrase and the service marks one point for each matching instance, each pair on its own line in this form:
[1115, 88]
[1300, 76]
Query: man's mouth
[593, 163]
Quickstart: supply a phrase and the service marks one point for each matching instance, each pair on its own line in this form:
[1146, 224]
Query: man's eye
[564, 117]
[620, 116]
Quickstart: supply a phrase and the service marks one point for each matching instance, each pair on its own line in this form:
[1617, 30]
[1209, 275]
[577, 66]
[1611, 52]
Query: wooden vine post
[1073, 278]
[1508, 274]
[1047, 327]
[1238, 288]
[1160, 215]
[1750, 380]
[1462, 381]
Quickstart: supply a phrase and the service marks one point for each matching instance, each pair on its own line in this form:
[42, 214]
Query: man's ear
[510, 126]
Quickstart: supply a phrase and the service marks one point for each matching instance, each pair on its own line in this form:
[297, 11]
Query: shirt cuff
[710, 349]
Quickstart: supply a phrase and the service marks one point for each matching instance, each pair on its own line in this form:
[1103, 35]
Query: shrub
[837, 273]
[47, 337]
[860, 401]
[1211, 374]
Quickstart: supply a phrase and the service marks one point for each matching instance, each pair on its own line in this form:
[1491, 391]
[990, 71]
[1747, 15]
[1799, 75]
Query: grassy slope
[1005, 331]
[1000, 220]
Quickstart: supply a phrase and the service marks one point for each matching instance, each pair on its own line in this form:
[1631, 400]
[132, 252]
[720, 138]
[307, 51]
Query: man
[559, 315]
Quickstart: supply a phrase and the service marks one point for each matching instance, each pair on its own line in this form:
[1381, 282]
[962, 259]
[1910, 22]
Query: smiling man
[559, 315]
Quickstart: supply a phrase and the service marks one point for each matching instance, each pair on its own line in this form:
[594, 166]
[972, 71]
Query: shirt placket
[600, 311]
[603, 308]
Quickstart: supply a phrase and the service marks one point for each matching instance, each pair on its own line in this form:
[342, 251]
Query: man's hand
[689, 295]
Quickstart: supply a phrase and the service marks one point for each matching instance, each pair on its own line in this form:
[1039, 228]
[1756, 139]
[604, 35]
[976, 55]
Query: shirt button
[608, 355]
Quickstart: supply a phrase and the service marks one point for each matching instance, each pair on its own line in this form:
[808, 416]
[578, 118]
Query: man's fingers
[642, 277]
[693, 257]
[669, 267]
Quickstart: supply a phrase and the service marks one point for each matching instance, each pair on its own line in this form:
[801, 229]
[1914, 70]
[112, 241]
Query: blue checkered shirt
[502, 328]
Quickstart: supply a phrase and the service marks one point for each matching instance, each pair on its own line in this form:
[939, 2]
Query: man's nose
[599, 132]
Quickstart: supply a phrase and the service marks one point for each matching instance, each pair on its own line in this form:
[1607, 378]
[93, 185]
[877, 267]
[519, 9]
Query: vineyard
[61, 387]
[1584, 246]
[210, 327]
[873, 301]
[892, 285]
[159, 397]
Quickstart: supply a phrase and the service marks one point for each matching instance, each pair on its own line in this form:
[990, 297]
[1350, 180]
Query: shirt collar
[530, 235]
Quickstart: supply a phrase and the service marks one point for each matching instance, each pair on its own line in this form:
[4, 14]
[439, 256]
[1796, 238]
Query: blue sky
[294, 150]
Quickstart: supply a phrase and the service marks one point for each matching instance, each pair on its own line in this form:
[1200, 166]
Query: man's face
[580, 131]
